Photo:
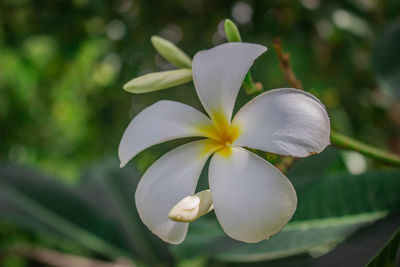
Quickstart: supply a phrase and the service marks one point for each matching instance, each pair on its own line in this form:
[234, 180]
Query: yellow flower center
[221, 134]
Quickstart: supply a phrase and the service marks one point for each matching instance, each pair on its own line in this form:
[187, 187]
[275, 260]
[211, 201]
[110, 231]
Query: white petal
[171, 178]
[284, 121]
[219, 72]
[160, 122]
[252, 199]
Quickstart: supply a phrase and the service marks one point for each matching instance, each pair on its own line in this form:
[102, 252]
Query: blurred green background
[63, 111]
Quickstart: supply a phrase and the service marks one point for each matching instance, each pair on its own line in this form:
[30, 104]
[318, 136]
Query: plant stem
[346, 142]
[250, 86]
[284, 63]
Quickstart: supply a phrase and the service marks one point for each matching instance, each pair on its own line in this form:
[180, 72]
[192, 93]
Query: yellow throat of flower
[221, 134]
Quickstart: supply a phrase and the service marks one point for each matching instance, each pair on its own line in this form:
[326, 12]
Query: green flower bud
[231, 31]
[171, 52]
[158, 80]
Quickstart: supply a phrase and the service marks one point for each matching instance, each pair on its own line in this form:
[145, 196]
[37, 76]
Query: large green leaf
[329, 209]
[117, 187]
[99, 213]
[386, 257]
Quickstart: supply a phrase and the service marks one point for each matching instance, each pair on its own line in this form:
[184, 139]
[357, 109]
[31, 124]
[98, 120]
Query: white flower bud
[190, 208]
[158, 80]
[171, 52]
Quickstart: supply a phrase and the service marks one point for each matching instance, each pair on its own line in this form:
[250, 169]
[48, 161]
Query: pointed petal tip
[264, 48]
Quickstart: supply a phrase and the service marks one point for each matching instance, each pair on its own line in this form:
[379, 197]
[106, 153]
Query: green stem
[250, 86]
[346, 142]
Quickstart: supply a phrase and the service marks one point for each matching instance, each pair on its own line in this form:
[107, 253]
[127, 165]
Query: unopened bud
[158, 80]
[171, 52]
[190, 208]
[231, 31]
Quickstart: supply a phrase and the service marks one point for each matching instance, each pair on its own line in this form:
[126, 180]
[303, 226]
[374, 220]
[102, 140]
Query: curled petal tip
[190, 208]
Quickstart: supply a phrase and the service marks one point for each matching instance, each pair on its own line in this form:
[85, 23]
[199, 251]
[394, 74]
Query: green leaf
[158, 80]
[315, 237]
[116, 186]
[386, 257]
[171, 52]
[329, 209]
[57, 209]
[98, 214]
[231, 31]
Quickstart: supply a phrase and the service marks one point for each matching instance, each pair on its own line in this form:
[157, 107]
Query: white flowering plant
[246, 150]
[252, 199]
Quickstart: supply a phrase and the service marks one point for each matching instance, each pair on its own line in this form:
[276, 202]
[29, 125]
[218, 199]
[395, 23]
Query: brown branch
[285, 162]
[59, 259]
[284, 63]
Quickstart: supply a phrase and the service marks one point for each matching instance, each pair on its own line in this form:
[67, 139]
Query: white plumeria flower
[252, 199]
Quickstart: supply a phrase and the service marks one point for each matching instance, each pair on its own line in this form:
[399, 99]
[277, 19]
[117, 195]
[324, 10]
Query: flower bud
[158, 80]
[190, 208]
[171, 52]
[231, 31]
